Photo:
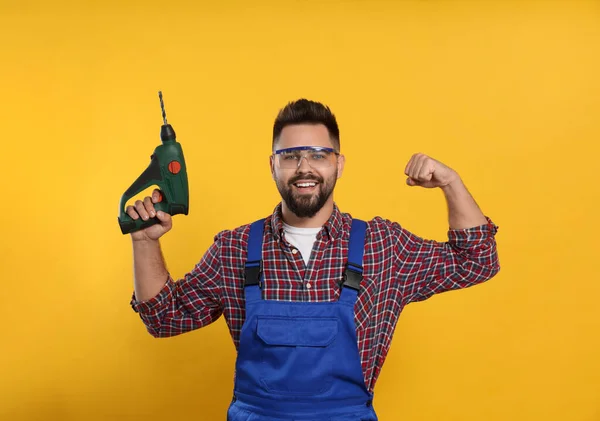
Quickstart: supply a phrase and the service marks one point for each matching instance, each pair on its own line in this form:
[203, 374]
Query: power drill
[167, 170]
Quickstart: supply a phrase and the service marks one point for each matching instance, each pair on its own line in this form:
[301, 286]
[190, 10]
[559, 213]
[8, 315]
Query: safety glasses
[316, 156]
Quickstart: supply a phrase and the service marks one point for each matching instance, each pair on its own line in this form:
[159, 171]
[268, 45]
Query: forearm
[170, 307]
[150, 272]
[463, 211]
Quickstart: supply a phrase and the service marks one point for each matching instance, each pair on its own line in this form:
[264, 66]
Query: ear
[272, 165]
[341, 161]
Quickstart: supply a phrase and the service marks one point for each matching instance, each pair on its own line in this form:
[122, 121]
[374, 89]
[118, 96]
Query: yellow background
[507, 93]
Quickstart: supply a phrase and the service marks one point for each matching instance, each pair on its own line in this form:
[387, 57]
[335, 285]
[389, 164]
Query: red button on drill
[174, 167]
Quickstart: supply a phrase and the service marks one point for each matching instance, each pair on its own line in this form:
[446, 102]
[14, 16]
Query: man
[311, 296]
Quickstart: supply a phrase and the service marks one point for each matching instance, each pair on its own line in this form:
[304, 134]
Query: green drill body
[168, 171]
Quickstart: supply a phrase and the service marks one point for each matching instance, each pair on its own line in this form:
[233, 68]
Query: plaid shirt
[398, 268]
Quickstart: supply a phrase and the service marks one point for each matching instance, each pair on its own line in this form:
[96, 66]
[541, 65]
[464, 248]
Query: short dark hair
[304, 111]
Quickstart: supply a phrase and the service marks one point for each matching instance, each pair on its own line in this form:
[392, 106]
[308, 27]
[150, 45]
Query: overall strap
[354, 267]
[253, 268]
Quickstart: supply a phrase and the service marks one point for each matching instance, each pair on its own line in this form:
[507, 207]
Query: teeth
[306, 184]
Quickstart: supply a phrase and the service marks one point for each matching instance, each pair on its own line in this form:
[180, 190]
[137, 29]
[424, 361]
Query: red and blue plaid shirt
[398, 268]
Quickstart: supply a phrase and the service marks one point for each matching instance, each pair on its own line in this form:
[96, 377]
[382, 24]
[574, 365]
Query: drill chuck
[167, 134]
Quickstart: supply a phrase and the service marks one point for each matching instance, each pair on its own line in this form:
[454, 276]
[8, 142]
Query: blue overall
[300, 360]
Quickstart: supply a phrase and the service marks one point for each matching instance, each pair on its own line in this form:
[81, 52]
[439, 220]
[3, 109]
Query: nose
[303, 165]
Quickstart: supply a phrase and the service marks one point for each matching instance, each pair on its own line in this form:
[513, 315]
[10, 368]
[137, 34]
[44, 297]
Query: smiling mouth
[305, 186]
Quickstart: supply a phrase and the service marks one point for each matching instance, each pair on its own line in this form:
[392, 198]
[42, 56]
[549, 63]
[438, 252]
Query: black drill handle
[129, 225]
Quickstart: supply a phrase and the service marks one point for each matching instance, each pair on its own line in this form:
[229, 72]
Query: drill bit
[162, 107]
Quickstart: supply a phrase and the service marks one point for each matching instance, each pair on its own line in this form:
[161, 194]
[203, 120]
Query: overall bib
[299, 361]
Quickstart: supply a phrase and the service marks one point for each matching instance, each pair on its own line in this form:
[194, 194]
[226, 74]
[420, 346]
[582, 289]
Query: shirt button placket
[302, 285]
[307, 287]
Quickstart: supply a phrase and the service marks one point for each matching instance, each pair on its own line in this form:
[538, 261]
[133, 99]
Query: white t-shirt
[301, 238]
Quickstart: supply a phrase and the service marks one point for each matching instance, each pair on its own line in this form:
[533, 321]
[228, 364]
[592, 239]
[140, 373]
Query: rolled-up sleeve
[429, 267]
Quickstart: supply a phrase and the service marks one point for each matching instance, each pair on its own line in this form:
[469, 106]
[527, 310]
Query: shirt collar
[332, 228]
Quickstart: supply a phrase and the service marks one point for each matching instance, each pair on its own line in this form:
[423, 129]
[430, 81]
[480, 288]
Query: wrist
[144, 243]
[452, 184]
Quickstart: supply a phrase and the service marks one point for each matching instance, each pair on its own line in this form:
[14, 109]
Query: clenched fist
[425, 171]
[145, 210]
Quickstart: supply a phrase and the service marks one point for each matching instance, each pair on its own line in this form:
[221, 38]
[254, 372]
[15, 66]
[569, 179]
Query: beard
[306, 205]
